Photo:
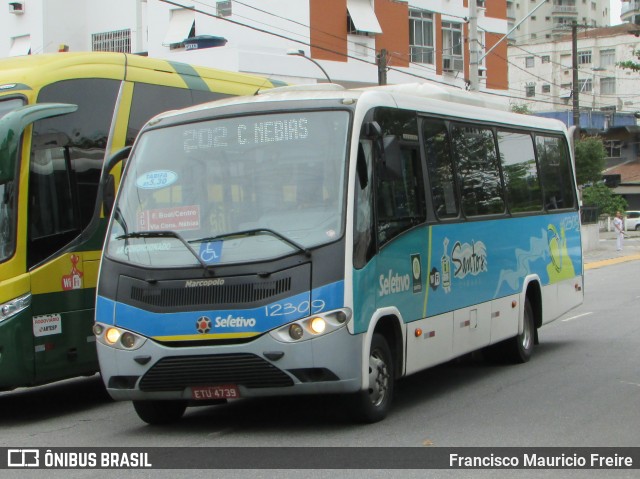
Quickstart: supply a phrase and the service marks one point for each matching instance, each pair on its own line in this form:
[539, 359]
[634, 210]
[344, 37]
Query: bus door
[62, 302]
[401, 215]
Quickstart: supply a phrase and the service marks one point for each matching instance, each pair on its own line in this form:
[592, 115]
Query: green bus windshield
[233, 190]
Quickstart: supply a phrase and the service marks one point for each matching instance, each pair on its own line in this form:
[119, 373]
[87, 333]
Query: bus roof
[32, 71]
[424, 98]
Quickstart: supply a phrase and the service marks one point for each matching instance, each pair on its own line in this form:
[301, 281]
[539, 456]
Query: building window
[607, 86]
[529, 62]
[584, 57]
[452, 46]
[223, 8]
[546, 88]
[546, 59]
[607, 58]
[421, 36]
[116, 41]
[530, 91]
[585, 86]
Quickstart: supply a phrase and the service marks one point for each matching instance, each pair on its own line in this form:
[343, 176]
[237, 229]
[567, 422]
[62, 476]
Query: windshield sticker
[211, 252]
[154, 180]
[179, 218]
[47, 325]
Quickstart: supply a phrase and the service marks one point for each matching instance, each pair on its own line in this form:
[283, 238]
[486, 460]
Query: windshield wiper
[254, 232]
[165, 234]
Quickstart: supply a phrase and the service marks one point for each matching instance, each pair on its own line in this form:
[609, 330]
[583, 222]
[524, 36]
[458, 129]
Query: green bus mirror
[14, 123]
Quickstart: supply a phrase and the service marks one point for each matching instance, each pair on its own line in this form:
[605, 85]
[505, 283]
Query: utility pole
[575, 91]
[473, 46]
[382, 67]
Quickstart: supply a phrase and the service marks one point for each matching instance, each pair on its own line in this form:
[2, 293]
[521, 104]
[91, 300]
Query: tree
[523, 109]
[590, 160]
[604, 198]
[630, 64]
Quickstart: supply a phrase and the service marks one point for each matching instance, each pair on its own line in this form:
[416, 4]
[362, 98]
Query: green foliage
[603, 197]
[590, 160]
[523, 109]
[629, 64]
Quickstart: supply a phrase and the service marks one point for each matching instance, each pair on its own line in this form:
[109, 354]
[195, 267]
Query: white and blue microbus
[322, 240]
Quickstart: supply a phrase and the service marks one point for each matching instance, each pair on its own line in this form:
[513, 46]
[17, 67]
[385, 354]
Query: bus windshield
[233, 190]
[7, 190]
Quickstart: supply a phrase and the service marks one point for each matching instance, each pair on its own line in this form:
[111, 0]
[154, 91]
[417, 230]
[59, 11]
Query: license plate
[204, 393]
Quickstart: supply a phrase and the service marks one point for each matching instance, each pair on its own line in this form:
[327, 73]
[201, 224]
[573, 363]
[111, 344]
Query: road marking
[576, 317]
[609, 262]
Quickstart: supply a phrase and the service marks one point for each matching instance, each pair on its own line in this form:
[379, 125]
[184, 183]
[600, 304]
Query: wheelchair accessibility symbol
[211, 253]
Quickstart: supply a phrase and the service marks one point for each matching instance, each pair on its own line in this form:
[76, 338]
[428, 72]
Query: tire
[638, 227]
[519, 348]
[156, 412]
[373, 405]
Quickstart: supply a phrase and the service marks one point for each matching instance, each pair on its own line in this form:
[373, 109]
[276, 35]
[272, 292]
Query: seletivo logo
[197, 283]
[394, 283]
[231, 322]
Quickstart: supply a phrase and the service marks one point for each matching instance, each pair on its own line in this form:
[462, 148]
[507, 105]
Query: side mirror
[108, 182]
[13, 124]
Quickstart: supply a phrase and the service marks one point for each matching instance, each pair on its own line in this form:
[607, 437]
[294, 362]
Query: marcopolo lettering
[394, 283]
[198, 283]
[231, 322]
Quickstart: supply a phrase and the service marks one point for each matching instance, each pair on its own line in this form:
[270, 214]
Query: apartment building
[548, 20]
[423, 39]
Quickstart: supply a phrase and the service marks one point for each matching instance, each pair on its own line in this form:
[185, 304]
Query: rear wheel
[159, 412]
[374, 403]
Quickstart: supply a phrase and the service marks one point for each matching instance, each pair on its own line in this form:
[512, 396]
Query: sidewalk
[606, 254]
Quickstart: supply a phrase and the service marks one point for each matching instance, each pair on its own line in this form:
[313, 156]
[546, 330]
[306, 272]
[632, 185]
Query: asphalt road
[581, 388]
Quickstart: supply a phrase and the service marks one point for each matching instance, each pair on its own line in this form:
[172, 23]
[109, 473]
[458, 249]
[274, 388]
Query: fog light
[112, 335]
[341, 317]
[295, 331]
[98, 329]
[128, 340]
[318, 325]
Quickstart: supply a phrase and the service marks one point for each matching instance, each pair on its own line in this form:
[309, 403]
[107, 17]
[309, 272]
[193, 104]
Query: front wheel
[373, 404]
[159, 412]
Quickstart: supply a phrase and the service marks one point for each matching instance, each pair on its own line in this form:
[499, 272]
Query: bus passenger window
[557, 179]
[400, 198]
[478, 170]
[437, 150]
[518, 159]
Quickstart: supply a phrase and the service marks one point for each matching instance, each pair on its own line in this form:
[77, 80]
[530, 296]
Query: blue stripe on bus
[466, 263]
[255, 320]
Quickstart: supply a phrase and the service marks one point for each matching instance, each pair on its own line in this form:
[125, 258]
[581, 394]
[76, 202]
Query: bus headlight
[13, 307]
[117, 337]
[313, 326]
[318, 325]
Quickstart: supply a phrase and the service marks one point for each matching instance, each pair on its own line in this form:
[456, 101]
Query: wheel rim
[378, 378]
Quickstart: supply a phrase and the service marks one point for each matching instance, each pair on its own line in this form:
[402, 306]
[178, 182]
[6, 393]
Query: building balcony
[565, 10]
[630, 11]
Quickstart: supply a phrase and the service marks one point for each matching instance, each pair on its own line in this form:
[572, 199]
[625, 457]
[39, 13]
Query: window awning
[180, 25]
[20, 46]
[363, 16]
